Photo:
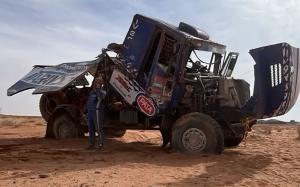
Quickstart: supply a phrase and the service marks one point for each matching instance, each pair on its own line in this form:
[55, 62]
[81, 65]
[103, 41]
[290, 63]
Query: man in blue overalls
[96, 108]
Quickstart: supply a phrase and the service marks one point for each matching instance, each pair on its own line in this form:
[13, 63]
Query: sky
[51, 32]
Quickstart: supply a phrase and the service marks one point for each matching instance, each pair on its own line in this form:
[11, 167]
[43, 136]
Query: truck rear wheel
[197, 133]
[48, 103]
[64, 127]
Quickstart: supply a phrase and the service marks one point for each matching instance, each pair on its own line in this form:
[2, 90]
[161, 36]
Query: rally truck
[169, 78]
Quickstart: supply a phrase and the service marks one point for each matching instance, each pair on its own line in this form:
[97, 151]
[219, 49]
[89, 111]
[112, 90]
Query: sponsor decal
[146, 105]
[127, 88]
[52, 78]
[133, 93]
[287, 80]
[132, 31]
[155, 90]
[45, 78]
[59, 75]
[123, 83]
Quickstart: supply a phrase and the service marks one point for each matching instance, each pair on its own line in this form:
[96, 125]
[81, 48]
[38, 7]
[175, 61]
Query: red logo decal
[123, 83]
[146, 105]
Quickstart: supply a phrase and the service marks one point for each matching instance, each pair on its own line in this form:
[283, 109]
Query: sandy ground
[269, 157]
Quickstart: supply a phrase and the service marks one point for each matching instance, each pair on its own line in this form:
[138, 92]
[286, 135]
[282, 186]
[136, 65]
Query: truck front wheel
[197, 133]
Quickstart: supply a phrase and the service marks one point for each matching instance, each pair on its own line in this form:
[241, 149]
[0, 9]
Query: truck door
[162, 76]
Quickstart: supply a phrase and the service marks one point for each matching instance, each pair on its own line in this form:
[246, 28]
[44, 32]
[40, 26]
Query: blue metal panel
[52, 78]
[276, 80]
[137, 41]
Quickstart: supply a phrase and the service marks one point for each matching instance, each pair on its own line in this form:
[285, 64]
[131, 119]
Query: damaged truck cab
[159, 80]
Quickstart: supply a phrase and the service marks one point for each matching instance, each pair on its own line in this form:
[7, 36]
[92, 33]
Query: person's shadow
[229, 168]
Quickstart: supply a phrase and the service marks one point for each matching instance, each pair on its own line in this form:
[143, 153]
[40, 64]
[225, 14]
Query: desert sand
[270, 156]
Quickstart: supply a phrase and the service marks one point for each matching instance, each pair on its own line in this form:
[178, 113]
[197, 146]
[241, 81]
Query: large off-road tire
[117, 133]
[64, 127]
[197, 133]
[236, 138]
[48, 102]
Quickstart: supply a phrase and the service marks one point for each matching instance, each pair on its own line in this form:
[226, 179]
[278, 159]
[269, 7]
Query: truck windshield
[199, 61]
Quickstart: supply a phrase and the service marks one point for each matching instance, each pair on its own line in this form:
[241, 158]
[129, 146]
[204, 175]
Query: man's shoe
[90, 147]
[99, 147]
[165, 143]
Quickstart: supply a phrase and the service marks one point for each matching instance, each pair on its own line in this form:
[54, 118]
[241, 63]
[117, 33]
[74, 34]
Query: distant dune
[275, 121]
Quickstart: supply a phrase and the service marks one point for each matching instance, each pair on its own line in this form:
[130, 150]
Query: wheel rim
[194, 140]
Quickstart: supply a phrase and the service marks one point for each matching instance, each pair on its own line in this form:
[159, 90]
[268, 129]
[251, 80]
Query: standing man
[96, 109]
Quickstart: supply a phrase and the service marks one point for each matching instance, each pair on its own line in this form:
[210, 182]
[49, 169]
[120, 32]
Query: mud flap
[276, 81]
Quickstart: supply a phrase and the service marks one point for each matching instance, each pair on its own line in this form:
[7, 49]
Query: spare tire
[48, 102]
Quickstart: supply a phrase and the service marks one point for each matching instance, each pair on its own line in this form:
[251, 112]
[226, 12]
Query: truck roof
[197, 42]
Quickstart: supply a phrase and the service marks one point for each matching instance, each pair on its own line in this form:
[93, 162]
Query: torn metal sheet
[53, 78]
[276, 85]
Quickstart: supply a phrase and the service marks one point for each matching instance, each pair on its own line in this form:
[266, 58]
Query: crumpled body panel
[276, 81]
[53, 78]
